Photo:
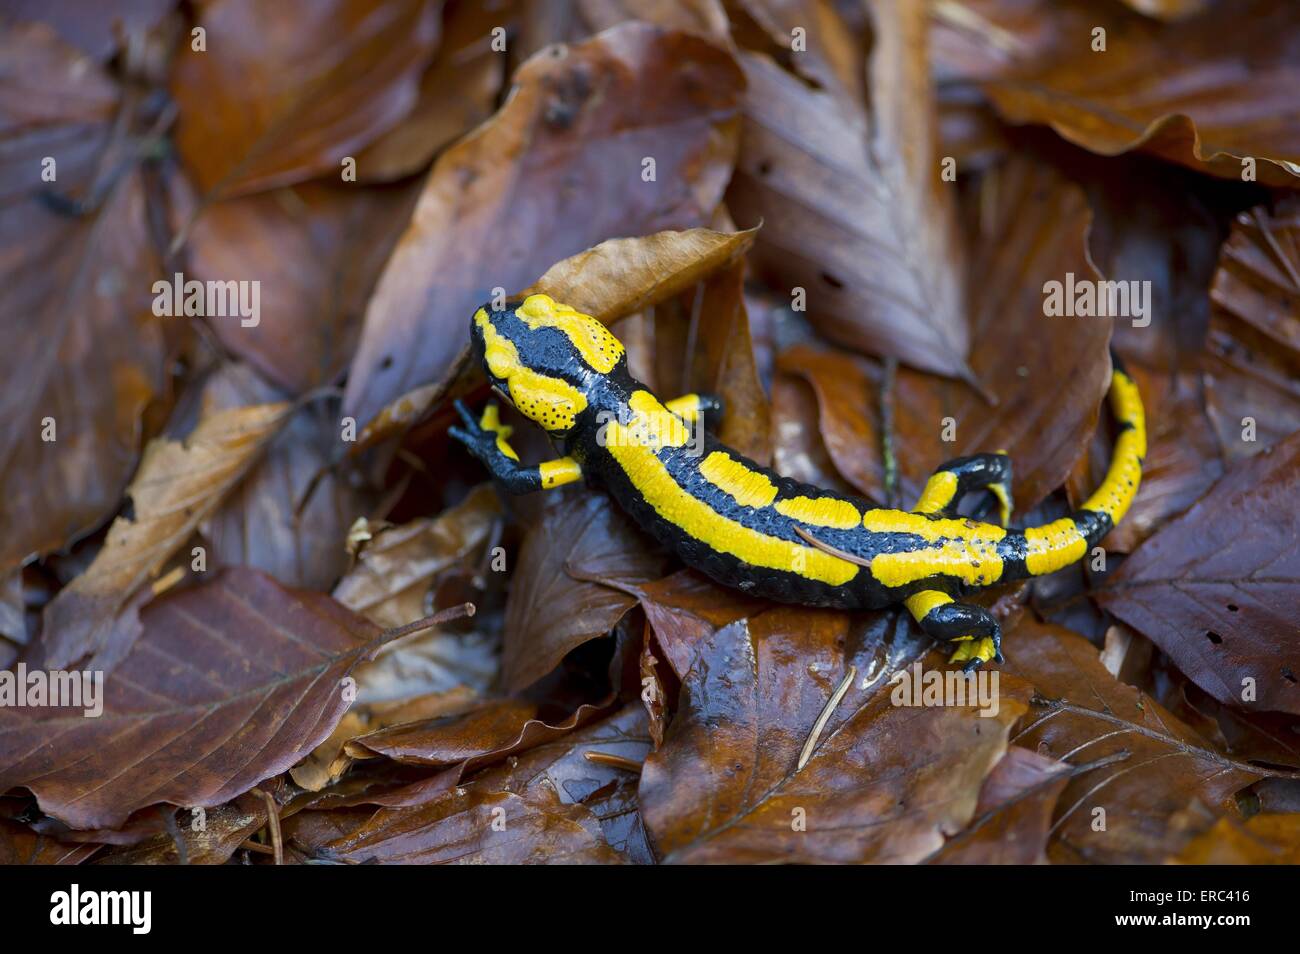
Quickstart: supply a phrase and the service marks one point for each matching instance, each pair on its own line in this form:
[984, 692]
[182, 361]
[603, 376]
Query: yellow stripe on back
[820, 512]
[748, 487]
[964, 549]
[600, 349]
[679, 507]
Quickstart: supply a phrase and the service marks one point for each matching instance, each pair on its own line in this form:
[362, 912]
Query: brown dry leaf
[1260, 840]
[1215, 588]
[709, 795]
[177, 485]
[621, 276]
[317, 251]
[267, 521]
[19, 845]
[210, 839]
[556, 806]
[1014, 814]
[95, 29]
[283, 92]
[1082, 715]
[854, 213]
[83, 355]
[231, 682]
[702, 342]
[390, 582]
[1048, 387]
[457, 92]
[1258, 281]
[557, 170]
[553, 606]
[1207, 93]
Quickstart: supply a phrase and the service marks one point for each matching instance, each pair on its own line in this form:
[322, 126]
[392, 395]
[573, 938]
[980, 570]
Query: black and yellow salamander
[747, 526]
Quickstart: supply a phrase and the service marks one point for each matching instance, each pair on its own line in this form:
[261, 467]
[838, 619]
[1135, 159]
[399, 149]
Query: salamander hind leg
[977, 635]
[963, 475]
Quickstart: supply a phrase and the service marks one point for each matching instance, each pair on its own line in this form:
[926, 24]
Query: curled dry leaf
[177, 485]
[268, 521]
[854, 214]
[1215, 588]
[231, 682]
[555, 171]
[554, 605]
[1048, 388]
[549, 804]
[1258, 280]
[75, 310]
[389, 584]
[1014, 814]
[1208, 93]
[620, 276]
[224, 829]
[1160, 765]
[283, 92]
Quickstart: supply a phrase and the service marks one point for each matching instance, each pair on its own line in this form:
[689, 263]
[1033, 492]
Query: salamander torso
[747, 526]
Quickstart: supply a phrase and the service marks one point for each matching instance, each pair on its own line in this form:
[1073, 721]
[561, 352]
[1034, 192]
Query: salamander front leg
[976, 632]
[692, 407]
[963, 475]
[488, 440]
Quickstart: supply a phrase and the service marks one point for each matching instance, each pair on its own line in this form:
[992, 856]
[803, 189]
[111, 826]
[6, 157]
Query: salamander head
[544, 357]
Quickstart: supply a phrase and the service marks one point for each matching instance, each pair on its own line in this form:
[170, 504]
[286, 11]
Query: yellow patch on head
[748, 487]
[963, 549]
[697, 519]
[1053, 545]
[551, 402]
[820, 512]
[598, 347]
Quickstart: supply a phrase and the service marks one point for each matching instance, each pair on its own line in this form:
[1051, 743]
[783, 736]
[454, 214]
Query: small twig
[887, 432]
[825, 716]
[169, 821]
[459, 611]
[273, 823]
[166, 582]
[827, 548]
[256, 846]
[613, 761]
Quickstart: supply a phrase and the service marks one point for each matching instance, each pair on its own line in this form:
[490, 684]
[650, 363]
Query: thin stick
[459, 611]
[273, 822]
[250, 845]
[887, 432]
[827, 548]
[613, 761]
[822, 719]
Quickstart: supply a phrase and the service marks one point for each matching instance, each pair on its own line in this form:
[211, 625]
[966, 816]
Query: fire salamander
[747, 526]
